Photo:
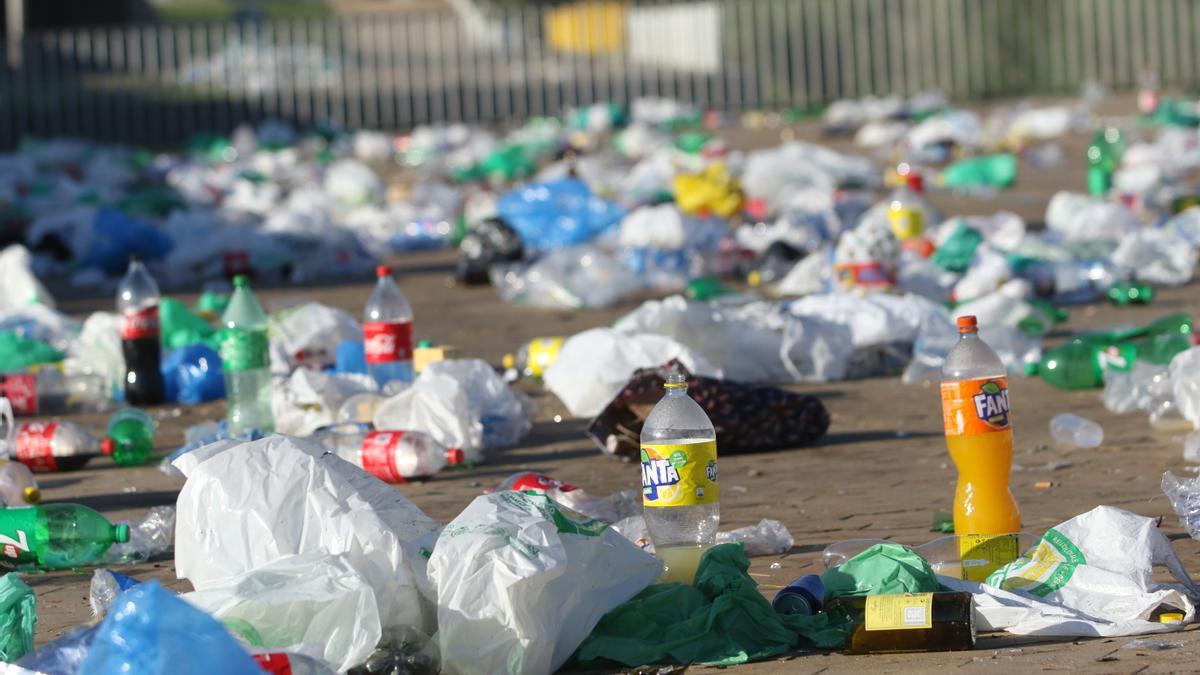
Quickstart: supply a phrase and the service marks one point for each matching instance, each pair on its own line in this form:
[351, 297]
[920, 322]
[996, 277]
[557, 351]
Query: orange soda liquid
[979, 438]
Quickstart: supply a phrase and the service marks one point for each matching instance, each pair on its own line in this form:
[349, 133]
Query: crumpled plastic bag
[768, 537]
[152, 630]
[313, 603]
[98, 349]
[180, 327]
[506, 415]
[1091, 575]
[18, 615]
[557, 213]
[437, 405]
[117, 235]
[1081, 218]
[309, 399]
[987, 171]
[712, 190]
[193, 374]
[1157, 257]
[594, 365]
[880, 569]
[18, 353]
[248, 504]
[1185, 384]
[310, 333]
[721, 619]
[574, 277]
[21, 287]
[351, 183]
[520, 583]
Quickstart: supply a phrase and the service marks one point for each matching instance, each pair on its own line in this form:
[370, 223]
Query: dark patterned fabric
[747, 417]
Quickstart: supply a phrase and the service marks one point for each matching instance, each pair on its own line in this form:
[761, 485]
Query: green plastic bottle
[246, 362]
[56, 536]
[1080, 363]
[130, 437]
[1104, 156]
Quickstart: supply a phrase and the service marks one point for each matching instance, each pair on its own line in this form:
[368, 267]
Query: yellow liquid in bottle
[681, 563]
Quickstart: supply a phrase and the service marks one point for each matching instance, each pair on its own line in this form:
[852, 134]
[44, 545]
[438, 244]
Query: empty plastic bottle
[56, 536]
[137, 301]
[130, 437]
[18, 487]
[52, 446]
[1104, 157]
[906, 208]
[49, 391]
[246, 361]
[1073, 431]
[1082, 362]
[392, 456]
[679, 481]
[387, 331]
[1184, 495]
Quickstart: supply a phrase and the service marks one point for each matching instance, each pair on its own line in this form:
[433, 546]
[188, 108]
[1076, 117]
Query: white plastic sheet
[520, 583]
[438, 405]
[309, 399]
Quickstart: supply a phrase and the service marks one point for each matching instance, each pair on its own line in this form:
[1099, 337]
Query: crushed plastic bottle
[1184, 495]
[105, 587]
[392, 456]
[1072, 431]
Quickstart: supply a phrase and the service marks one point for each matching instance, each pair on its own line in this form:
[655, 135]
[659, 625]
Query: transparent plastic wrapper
[310, 333]
[359, 408]
[105, 587]
[956, 127]
[1191, 447]
[769, 537]
[1185, 384]
[229, 526]
[1089, 576]
[576, 277]
[1145, 386]
[438, 405]
[777, 174]
[1080, 218]
[594, 365]
[149, 537]
[506, 415]
[1072, 431]
[310, 399]
[313, 603]
[988, 271]
[495, 566]
[1184, 494]
[152, 630]
[21, 287]
[1157, 257]
[610, 509]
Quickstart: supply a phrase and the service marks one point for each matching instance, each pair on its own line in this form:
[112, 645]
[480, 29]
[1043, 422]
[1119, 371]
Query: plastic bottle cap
[383, 271]
[241, 281]
[1031, 369]
[509, 361]
[754, 278]
[31, 495]
[107, 446]
[454, 456]
[967, 324]
[1170, 617]
[915, 182]
[425, 344]
[121, 533]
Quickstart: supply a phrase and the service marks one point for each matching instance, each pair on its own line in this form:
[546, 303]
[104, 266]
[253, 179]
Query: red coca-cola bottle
[137, 301]
[387, 331]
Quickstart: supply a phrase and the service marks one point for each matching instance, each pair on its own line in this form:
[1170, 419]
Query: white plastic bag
[1157, 256]
[21, 287]
[594, 365]
[439, 406]
[1091, 575]
[309, 399]
[314, 603]
[1185, 383]
[312, 332]
[506, 415]
[247, 505]
[520, 583]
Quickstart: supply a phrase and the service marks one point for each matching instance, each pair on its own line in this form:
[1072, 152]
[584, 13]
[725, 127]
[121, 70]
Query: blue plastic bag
[193, 375]
[557, 214]
[152, 630]
[116, 235]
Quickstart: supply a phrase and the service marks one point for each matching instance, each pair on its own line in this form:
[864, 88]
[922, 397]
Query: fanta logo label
[657, 473]
[991, 404]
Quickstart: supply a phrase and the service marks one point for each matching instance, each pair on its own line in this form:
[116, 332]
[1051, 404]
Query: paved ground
[880, 472]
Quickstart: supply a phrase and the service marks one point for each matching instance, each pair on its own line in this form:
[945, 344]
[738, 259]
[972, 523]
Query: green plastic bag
[18, 615]
[986, 171]
[180, 327]
[880, 570]
[212, 304]
[19, 353]
[721, 620]
[958, 251]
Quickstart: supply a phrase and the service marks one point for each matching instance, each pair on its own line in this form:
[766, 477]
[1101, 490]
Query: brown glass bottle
[912, 622]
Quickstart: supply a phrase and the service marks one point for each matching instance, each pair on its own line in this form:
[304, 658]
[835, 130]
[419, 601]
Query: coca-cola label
[140, 323]
[35, 446]
[21, 390]
[540, 483]
[387, 341]
[378, 455]
[274, 663]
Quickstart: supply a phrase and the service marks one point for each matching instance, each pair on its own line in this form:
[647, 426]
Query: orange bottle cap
[967, 324]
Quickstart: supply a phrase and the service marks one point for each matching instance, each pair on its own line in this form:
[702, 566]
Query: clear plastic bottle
[18, 487]
[1073, 431]
[49, 391]
[137, 301]
[392, 456]
[246, 361]
[50, 446]
[680, 496]
[387, 331]
[977, 421]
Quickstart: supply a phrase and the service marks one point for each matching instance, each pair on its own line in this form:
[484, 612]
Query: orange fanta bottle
[978, 426]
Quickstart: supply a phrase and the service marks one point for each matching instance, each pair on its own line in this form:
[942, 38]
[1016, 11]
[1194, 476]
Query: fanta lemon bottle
[679, 481]
[979, 435]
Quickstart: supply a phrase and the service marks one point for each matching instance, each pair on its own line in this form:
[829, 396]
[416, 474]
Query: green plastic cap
[121, 533]
[425, 344]
[241, 281]
[1031, 368]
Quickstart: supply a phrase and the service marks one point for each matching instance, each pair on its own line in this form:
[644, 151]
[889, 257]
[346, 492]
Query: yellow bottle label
[906, 222]
[679, 474]
[982, 554]
[899, 612]
[542, 353]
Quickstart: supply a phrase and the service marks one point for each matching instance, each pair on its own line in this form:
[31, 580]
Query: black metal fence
[157, 84]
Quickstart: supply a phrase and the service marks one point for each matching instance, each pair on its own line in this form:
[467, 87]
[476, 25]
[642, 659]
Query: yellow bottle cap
[1170, 617]
[31, 495]
[754, 278]
[509, 361]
